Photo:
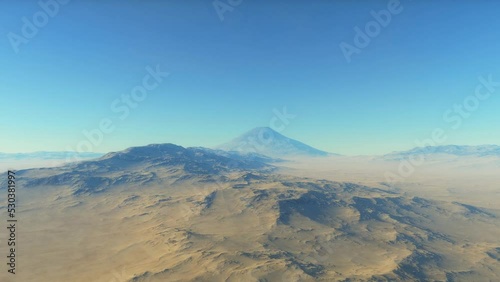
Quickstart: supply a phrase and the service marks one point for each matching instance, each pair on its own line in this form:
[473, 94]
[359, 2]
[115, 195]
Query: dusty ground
[268, 226]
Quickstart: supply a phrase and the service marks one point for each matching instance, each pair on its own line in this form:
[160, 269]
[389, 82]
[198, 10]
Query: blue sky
[226, 77]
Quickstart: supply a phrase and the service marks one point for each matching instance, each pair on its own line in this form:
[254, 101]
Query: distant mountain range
[448, 150]
[42, 155]
[259, 144]
[266, 141]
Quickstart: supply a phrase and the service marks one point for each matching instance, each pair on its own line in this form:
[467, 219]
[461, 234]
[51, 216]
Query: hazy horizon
[214, 146]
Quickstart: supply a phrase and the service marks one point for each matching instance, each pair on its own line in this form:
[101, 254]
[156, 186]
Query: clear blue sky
[226, 77]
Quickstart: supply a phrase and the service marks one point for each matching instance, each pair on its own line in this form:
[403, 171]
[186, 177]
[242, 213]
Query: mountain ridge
[451, 150]
[143, 165]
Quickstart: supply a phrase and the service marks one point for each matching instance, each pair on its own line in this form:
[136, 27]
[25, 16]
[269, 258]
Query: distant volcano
[266, 141]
